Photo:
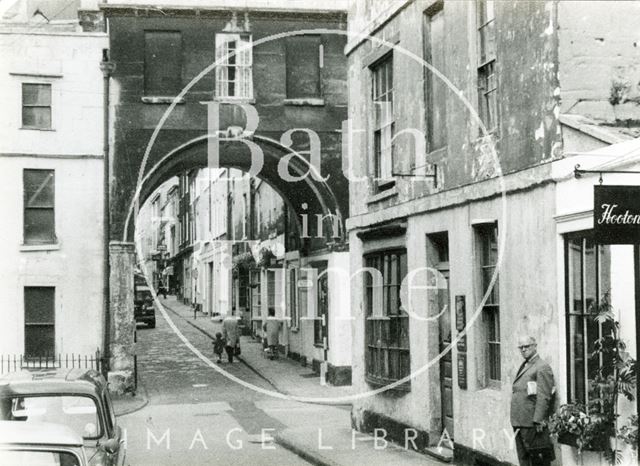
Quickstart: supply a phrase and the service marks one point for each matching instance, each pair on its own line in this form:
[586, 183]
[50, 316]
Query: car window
[39, 458]
[80, 413]
[110, 415]
[142, 295]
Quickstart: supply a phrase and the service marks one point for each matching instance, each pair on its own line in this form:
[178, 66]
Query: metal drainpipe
[107, 68]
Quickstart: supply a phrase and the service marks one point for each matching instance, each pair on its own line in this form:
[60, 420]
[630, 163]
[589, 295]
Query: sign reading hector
[616, 214]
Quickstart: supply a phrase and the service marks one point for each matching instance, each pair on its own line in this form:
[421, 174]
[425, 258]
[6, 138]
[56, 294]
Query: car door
[115, 432]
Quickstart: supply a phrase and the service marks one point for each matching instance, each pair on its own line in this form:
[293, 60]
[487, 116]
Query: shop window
[304, 59]
[39, 322]
[256, 303]
[36, 106]
[243, 288]
[321, 324]
[387, 354]
[162, 63]
[588, 271]
[39, 206]
[383, 121]
[234, 70]
[292, 297]
[487, 237]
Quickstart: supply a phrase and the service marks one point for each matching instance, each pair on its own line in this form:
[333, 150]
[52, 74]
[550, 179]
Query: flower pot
[570, 457]
[568, 439]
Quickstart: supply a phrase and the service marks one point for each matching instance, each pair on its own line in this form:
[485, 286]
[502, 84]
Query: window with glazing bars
[36, 106]
[588, 278]
[487, 79]
[383, 118]
[39, 322]
[234, 70]
[39, 206]
[387, 353]
[255, 294]
[488, 248]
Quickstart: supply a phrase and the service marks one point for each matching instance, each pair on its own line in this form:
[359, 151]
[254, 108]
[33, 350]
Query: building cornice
[522, 180]
[33, 31]
[52, 156]
[358, 37]
[115, 9]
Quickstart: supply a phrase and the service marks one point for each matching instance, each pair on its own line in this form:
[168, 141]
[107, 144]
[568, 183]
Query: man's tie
[522, 366]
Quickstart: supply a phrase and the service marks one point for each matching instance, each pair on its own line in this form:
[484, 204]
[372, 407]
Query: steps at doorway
[440, 453]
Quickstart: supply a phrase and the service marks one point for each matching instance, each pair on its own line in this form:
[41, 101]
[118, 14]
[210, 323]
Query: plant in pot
[243, 262]
[264, 257]
[628, 434]
[590, 427]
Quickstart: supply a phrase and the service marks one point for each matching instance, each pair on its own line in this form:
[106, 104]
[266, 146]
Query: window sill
[493, 386]
[305, 102]
[162, 100]
[40, 247]
[386, 194]
[35, 128]
[399, 390]
[234, 100]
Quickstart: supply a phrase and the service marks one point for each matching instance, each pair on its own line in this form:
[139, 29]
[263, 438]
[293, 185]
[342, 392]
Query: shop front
[598, 283]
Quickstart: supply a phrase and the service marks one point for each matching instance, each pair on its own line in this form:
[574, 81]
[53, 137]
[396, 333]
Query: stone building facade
[179, 69]
[465, 118]
[51, 165]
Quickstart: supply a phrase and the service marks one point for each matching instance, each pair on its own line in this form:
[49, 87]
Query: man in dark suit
[531, 400]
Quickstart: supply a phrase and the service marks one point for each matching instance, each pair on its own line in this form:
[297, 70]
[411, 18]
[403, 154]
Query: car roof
[43, 433]
[52, 381]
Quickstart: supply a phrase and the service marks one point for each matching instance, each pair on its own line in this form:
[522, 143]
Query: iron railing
[17, 362]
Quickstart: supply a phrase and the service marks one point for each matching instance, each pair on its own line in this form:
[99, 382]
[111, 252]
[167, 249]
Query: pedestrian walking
[218, 347]
[531, 402]
[272, 329]
[231, 335]
[162, 290]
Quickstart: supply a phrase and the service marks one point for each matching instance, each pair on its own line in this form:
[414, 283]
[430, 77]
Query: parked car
[144, 311]
[40, 443]
[76, 398]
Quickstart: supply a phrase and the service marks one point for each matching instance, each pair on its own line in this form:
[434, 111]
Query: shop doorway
[438, 259]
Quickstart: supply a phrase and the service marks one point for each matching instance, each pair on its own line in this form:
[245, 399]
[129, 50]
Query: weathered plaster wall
[72, 266]
[599, 52]
[528, 299]
[70, 62]
[73, 149]
[527, 96]
[135, 120]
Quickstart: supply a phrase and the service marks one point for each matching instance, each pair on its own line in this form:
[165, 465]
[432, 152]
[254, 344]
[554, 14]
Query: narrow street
[196, 416]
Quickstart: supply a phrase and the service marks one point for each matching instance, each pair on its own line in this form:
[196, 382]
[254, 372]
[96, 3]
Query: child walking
[218, 346]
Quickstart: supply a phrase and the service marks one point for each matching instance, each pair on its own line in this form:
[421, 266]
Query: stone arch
[309, 198]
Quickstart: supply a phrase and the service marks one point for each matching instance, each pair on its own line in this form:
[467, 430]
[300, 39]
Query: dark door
[321, 329]
[446, 362]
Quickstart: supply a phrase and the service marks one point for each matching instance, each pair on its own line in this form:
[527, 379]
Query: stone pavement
[328, 439]
[285, 375]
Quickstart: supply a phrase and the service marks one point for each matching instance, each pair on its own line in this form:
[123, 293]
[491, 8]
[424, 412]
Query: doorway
[438, 259]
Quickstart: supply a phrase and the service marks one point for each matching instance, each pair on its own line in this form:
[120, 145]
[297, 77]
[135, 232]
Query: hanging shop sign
[616, 214]
[461, 318]
[462, 370]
